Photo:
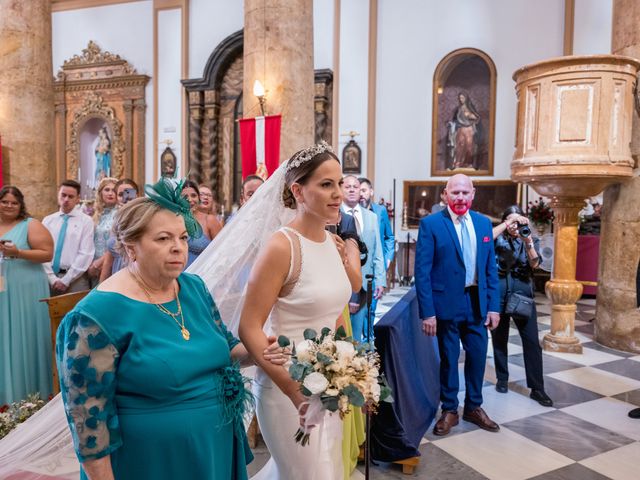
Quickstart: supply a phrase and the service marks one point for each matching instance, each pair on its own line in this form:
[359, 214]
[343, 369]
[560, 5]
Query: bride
[299, 277]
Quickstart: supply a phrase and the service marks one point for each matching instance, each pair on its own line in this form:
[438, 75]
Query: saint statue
[103, 156]
[463, 135]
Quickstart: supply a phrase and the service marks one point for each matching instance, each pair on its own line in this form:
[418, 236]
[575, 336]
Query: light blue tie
[60, 243]
[467, 253]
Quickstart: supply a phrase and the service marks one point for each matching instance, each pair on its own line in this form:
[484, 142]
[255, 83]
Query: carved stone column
[26, 101]
[60, 135]
[617, 323]
[211, 117]
[128, 138]
[563, 289]
[196, 111]
[139, 110]
[278, 51]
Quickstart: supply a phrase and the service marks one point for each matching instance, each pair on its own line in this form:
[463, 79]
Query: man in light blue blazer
[458, 298]
[369, 231]
[386, 232]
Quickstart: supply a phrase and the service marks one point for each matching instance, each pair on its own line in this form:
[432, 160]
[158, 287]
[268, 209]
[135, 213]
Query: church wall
[210, 22]
[124, 29]
[323, 34]
[411, 43]
[592, 28]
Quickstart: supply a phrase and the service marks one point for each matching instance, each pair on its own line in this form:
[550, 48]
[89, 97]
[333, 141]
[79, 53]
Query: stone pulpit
[573, 136]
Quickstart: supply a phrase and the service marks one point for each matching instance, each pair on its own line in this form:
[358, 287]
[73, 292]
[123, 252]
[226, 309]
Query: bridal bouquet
[335, 373]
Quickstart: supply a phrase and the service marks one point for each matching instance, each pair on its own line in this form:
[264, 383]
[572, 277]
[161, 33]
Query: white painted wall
[210, 22]
[354, 74]
[592, 27]
[323, 34]
[170, 90]
[414, 37]
[124, 29]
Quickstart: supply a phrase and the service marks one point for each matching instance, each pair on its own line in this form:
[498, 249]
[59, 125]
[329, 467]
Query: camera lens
[524, 230]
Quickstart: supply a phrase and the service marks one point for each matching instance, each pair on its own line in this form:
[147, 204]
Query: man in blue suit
[458, 297]
[367, 226]
[386, 232]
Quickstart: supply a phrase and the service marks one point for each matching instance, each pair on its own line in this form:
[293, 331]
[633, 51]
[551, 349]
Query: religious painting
[168, 163]
[464, 91]
[352, 157]
[492, 197]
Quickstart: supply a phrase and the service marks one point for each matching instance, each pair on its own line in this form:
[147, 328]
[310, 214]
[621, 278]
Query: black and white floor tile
[586, 435]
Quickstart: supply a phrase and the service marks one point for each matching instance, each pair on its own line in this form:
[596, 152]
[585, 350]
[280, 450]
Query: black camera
[524, 230]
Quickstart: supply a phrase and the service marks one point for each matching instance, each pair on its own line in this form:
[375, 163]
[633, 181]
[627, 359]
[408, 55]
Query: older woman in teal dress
[25, 335]
[148, 371]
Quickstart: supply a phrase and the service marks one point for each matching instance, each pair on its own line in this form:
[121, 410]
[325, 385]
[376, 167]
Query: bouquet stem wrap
[313, 417]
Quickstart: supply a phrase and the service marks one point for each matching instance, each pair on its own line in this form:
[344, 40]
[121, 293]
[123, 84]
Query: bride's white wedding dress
[318, 292]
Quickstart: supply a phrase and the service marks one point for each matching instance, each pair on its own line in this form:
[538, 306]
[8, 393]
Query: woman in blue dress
[25, 336]
[104, 213]
[149, 373]
[208, 223]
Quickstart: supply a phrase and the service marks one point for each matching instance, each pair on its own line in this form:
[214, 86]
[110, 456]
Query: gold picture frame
[463, 120]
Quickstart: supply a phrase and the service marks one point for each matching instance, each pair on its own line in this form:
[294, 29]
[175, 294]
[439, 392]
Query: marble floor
[586, 435]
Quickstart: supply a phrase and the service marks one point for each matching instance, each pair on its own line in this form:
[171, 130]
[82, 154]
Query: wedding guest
[208, 204]
[126, 190]
[442, 204]
[104, 211]
[517, 255]
[25, 338]
[72, 233]
[123, 404]
[367, 226]
[386, 232]
[249, 187]
[458, 299]
[209, 224]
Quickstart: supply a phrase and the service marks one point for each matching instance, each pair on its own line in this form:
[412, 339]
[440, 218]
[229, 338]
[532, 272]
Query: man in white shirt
[369, 231]
[73, 250]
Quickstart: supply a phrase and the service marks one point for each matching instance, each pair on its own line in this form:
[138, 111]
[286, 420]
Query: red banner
[260, 145]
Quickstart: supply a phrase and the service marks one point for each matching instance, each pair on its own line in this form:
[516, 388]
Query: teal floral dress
[133, 388]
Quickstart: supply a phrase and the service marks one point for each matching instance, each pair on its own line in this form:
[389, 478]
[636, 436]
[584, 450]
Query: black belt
[61, 272]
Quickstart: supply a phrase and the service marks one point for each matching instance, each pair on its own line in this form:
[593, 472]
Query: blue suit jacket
[439, 268]
[386, 233]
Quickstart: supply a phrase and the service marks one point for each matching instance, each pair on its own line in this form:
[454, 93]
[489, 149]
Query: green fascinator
[168, 194]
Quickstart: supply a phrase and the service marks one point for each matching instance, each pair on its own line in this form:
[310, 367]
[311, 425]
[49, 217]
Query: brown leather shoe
[447, 421]
[481, 419]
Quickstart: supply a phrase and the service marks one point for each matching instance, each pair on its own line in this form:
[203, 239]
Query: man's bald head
[460, 193]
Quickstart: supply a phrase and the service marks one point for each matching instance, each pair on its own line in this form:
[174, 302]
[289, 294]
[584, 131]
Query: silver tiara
[307, 154]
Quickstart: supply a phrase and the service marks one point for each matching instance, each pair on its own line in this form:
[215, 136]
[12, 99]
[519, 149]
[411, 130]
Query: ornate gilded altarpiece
[215, 103]
[100, 88]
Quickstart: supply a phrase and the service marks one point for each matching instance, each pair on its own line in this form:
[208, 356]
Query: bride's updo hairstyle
[301, 166]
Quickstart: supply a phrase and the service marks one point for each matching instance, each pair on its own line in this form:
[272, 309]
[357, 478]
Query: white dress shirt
[78, 249]
[472, 237]
[357, 215]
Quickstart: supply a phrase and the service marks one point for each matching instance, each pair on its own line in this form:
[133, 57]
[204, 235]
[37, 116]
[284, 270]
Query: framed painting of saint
[464, 91]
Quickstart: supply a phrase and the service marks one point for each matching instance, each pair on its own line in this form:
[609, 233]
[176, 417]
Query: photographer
[517, 255]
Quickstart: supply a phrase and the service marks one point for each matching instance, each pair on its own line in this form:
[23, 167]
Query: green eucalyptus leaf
[283, 341]
[310, 334]
[330, 403]
[296, 370]
[324, 359]
[354, 395]
[341, 333]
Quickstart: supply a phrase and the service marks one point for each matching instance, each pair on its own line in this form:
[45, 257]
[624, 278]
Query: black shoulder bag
[517, 304]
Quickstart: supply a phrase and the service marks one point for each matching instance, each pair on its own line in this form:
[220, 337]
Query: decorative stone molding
[100, 84]
[93, 107]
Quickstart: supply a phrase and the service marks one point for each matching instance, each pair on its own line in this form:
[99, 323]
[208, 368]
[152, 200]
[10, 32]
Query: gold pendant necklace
[141, 283]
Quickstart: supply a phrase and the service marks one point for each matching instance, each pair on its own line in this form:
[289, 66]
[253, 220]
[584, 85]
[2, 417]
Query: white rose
[345, 349]
[375, 391]
[316, 383]
[304, 351]
[332, 392]
[373, 373]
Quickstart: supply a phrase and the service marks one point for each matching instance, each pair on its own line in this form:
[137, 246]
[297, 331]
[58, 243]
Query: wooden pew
[58, 308]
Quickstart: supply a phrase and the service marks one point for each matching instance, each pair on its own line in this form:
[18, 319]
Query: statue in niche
[168, 163]
[464, 133]
[103, 156]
